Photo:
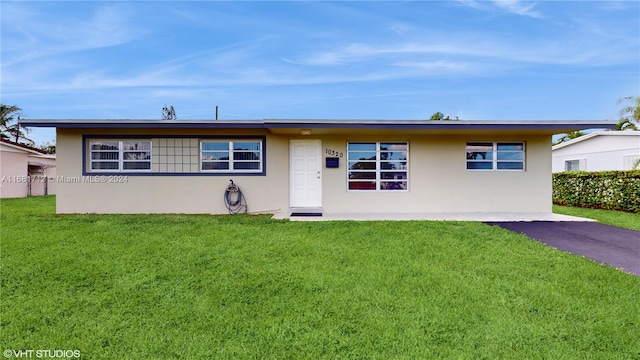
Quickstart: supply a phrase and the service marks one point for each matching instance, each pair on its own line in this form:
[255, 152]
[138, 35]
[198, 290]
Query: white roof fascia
[594, 134]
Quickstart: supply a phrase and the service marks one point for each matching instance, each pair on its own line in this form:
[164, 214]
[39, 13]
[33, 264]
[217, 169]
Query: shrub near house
[611, 190]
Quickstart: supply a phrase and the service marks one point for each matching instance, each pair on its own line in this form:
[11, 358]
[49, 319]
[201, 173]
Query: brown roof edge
[24, 146]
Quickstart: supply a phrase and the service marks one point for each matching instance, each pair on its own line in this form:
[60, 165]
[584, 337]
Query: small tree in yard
[569, 136]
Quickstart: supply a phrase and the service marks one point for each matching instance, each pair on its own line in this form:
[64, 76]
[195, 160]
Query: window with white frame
[377, 166]
[243, 156]
[495, 156]
[630, 162]
[119, 155]
[572, 165]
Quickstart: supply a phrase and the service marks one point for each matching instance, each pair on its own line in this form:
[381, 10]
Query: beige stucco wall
[438, 180]
[166, 194]
[13, 171]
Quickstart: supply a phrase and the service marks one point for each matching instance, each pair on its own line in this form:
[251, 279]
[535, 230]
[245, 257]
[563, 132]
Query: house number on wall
[333, 152]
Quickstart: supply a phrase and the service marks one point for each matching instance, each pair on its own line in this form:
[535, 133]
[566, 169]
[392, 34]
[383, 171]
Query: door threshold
[306, 212]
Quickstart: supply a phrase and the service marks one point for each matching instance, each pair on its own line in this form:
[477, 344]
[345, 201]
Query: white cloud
[441, 65]
[455, 50]
[243, 64]
[399, 28]
[524, 8]
[38, 35]
[518, 7]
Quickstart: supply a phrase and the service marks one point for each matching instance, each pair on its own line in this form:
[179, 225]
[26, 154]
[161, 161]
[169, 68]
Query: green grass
[202, 287]
[611, 217]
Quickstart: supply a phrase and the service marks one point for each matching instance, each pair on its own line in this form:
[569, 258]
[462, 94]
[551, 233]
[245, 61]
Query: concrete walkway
[483, 217]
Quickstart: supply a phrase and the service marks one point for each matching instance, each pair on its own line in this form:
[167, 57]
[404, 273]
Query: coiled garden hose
[234, 199]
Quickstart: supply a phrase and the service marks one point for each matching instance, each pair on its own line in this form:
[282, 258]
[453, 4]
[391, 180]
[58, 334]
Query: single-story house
[25, 170]
[320, 166]
[599, 151]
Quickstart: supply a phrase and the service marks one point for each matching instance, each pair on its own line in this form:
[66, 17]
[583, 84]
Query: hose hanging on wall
[234, 200]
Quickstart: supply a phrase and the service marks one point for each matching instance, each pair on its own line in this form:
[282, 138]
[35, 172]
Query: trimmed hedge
[610, 190]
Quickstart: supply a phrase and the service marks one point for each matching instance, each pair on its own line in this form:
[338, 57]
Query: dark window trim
[86, 137]
[120, 160]
[231, 153]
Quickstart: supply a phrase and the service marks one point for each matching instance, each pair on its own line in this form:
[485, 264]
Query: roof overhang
[141, 124]
[334, 126]
[290, 126]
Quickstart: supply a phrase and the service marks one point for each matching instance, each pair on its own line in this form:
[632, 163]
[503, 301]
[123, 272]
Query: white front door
[306, 173]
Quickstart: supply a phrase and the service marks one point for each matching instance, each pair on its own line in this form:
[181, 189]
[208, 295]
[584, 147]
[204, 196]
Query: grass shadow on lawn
[183, 286]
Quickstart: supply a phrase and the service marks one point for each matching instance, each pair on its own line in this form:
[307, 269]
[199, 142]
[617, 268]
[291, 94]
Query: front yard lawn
[200, 287]
[611, 217]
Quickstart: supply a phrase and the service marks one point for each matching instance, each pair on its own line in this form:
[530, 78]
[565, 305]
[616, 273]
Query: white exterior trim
[594, 134]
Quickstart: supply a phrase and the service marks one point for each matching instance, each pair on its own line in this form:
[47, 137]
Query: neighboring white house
[598, 151]
[25, 170]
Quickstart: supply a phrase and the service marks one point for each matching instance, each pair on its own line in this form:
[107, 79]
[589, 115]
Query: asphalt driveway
[607, 244]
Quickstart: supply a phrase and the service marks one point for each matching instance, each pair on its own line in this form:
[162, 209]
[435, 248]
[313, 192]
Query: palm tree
[12, 131]
[6, 116]
[569, 136]
[626, 124]
[629, 115]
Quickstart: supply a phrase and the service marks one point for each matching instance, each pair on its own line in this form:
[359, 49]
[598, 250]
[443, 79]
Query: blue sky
[479, 60]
